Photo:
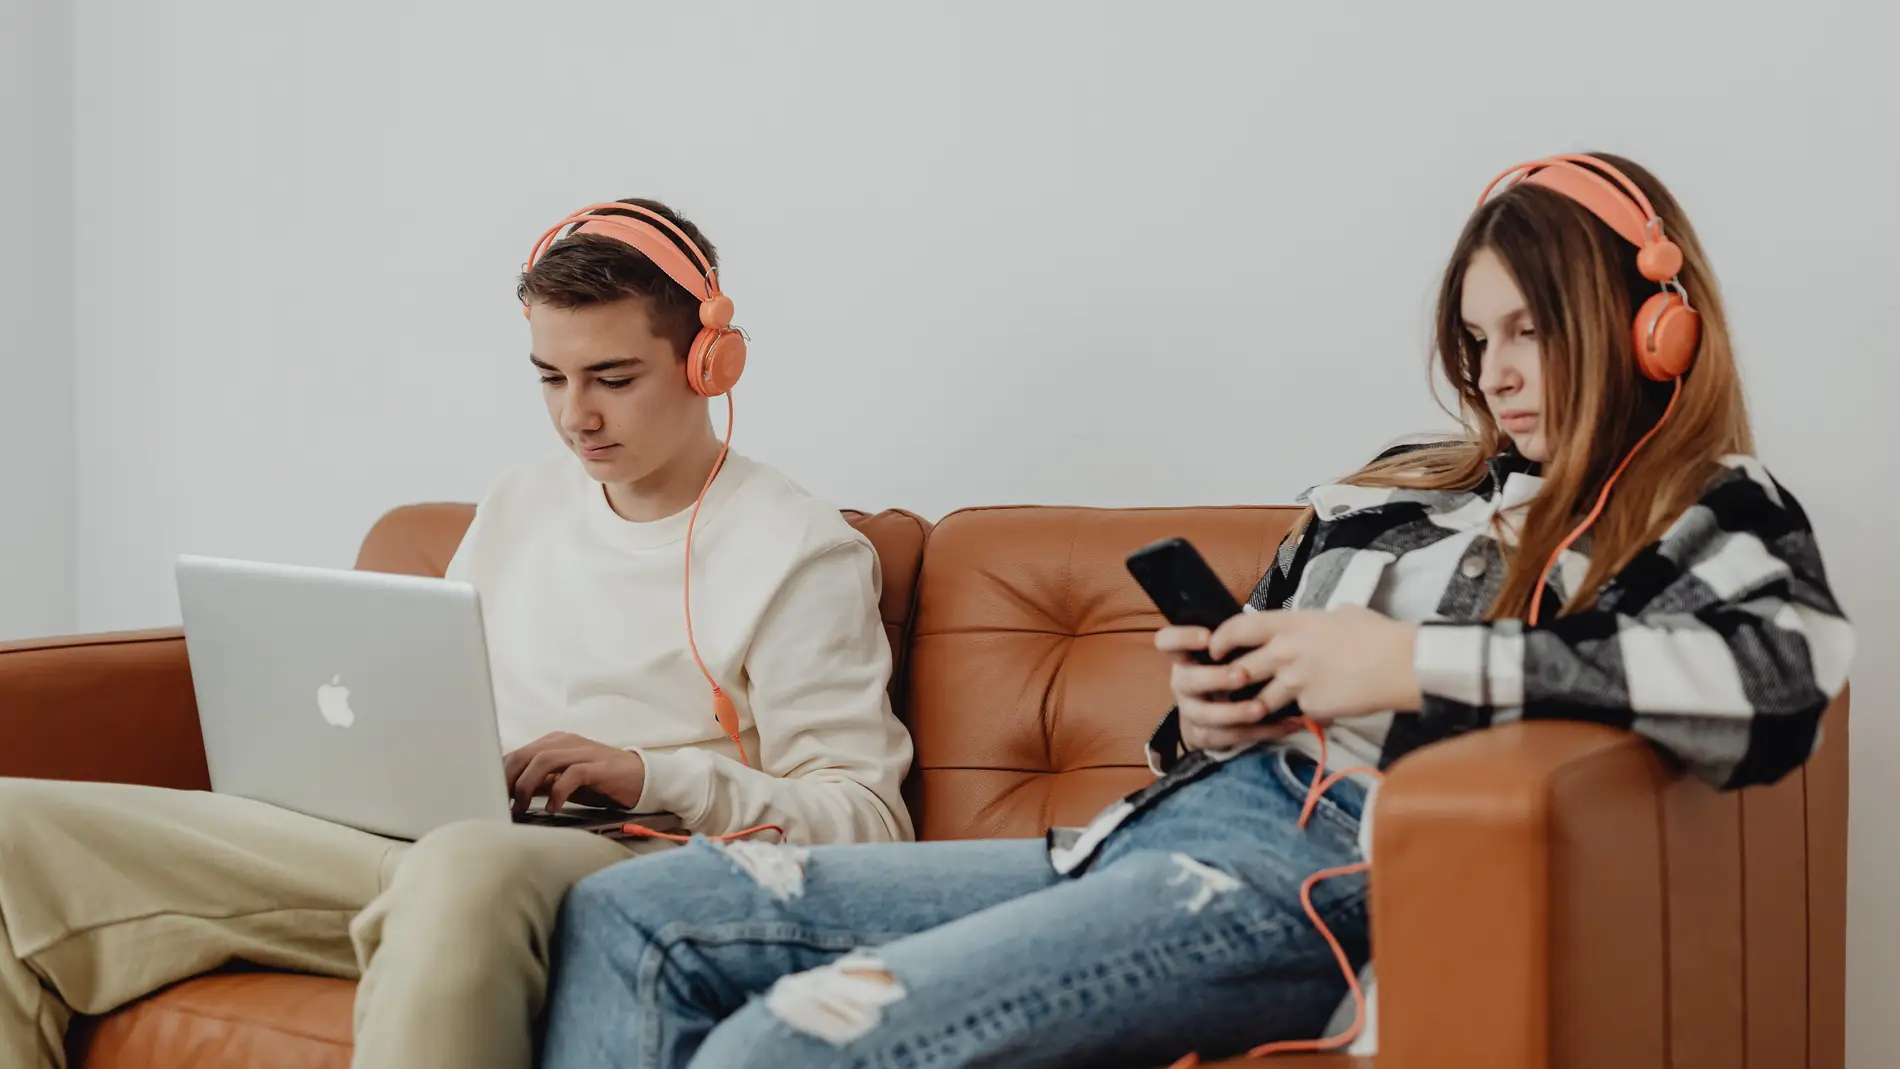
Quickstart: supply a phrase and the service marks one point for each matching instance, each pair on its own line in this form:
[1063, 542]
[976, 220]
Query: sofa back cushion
[415, 539]
[1034, 682]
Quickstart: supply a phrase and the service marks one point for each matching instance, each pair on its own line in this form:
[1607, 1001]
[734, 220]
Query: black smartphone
[1189, 594]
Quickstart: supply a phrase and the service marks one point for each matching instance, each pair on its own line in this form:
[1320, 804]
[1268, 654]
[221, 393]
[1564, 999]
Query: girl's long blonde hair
[1582, 290]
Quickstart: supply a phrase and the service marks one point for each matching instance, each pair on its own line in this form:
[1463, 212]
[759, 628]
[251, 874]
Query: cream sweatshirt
[586, 633]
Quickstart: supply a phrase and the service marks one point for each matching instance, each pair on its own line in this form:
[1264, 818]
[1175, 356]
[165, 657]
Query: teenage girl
[1598, 545]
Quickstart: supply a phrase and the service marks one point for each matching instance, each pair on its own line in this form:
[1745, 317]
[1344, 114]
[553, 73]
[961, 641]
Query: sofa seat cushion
[231, 1020]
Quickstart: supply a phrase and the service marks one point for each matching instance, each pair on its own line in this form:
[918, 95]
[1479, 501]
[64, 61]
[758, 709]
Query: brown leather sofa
[1544, 895]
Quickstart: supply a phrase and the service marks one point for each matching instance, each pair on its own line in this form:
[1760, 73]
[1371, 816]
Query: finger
[517, 760]
[1321, 716]
[1263, 663]
[1206, 714]
[544, 765]
[549, 764]
[520, 790]
[1182, 639]
[513, 762]
[1246, 631]
[1233, 738]
[572, 779]
[1279, 694]
[1196, 680]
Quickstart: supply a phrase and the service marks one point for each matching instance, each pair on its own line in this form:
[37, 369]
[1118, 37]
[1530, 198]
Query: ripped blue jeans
[1186, 933]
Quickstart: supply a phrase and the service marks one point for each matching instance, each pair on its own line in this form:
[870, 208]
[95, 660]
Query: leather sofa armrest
[1518, 898]
[111, 707]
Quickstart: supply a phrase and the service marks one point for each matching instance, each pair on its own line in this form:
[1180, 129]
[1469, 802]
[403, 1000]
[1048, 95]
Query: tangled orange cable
[641, 831]
[1314, 792]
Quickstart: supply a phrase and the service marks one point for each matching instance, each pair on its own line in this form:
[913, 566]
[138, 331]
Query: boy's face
[616, 392]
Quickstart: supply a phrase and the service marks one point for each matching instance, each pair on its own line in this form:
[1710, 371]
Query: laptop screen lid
[360, 698]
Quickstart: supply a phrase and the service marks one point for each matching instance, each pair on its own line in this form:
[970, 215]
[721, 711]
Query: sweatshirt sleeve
[832, 756]
[1721, 643]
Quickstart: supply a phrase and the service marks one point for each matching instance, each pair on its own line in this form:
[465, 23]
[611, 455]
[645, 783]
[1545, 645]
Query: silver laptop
[360, 698]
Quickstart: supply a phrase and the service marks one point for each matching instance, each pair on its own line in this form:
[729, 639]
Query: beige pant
[108, 892]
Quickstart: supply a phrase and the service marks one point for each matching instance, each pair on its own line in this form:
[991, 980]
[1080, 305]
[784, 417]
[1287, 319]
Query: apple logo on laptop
[333, 701]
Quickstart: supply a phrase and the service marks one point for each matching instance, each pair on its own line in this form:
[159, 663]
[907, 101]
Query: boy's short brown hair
[590, 269]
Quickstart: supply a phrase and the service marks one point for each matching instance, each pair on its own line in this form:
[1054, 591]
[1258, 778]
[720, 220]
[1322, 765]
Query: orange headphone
[716, 358]
[1666, 329]
[714, 363]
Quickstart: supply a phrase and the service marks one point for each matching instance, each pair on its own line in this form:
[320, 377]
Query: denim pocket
[1340, 805]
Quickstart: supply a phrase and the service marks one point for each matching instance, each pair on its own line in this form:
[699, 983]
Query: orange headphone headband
[698, 279]
[1625, 210]
[1667, 329]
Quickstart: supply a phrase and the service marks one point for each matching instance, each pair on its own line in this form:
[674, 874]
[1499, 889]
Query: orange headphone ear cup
[715, 362]
[1666, 334]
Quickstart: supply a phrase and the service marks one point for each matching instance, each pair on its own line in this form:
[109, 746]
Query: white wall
[36, 318]
[1108, 253]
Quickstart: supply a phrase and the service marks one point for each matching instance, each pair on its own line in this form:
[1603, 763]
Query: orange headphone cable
[723, 710]
[1322, 782]
[1537, 597]
[641, 831]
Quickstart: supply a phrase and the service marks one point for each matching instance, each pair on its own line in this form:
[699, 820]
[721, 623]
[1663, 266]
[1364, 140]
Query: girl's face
[1511, 371]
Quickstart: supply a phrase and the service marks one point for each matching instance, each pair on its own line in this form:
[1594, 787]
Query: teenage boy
[108, 892]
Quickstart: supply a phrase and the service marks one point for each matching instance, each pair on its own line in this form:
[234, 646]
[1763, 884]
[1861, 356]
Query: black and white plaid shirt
[1721, 642]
